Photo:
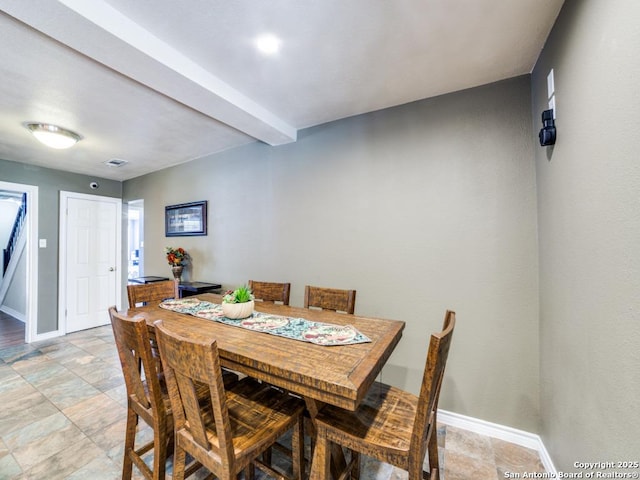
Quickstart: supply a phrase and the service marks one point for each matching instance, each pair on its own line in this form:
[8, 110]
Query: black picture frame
[185, 219]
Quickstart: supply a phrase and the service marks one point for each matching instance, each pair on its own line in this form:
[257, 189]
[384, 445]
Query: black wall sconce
[547, 134]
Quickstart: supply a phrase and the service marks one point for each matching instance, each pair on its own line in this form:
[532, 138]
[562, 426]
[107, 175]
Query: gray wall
[50, 182]
[420, 208]
[589, 229]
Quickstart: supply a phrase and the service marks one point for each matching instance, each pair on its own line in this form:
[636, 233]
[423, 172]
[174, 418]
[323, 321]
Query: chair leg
[431, 475]
[434, 461]
[416, 472]
[310, 430]
[159, 452]
[129, 443]
[297, 449]
[179, 459]
[250, 472]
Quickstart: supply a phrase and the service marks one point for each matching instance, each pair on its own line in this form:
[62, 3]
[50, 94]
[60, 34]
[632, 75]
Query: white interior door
[91, 249]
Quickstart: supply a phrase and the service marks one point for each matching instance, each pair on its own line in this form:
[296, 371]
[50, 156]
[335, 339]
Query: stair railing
[21, 214]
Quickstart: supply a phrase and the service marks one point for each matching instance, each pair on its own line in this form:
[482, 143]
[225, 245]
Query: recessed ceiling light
[268, 44]
[52, 135]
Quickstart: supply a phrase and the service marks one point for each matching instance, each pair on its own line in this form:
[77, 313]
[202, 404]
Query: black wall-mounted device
[547, 134]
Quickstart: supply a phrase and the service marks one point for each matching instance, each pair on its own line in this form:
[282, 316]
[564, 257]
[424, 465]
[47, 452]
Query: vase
[177, 271]
[238, 310]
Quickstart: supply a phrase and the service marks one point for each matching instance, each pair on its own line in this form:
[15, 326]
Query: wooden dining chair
[390, 425]
[330, 299]
[157, 292]
[146, 397]
[271, 291]
[151, 292]
[237, 425]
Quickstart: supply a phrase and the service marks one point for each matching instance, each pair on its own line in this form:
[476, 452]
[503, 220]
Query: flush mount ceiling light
[52, 135]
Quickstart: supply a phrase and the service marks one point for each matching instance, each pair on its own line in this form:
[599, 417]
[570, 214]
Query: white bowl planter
[238, 310]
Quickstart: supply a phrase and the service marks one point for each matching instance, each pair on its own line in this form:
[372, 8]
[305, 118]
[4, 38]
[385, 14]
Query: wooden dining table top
[339, 375]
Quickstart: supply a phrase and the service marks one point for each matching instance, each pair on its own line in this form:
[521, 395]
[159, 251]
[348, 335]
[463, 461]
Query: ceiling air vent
[115, 162]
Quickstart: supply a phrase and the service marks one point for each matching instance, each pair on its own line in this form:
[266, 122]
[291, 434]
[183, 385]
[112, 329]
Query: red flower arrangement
[175, 256]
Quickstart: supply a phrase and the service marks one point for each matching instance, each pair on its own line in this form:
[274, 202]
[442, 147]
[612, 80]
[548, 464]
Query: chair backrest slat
[330, 299]
[151, 292]
[271, 291]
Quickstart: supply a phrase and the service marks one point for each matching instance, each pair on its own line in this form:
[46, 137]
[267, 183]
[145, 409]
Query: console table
[149, 279]
[188, 289]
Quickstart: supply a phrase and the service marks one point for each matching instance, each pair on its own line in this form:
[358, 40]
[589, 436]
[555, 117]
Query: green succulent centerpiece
[238, 303]
[239, 295]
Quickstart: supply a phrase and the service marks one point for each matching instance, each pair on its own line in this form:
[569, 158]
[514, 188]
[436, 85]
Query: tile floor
[63, 411]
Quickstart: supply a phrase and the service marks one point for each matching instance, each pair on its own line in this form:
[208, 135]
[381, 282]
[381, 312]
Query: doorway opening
[20, 274]
[135, 257]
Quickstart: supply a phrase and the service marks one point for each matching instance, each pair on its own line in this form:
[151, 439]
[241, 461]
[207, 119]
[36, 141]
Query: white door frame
[31, 251]
[62, 267]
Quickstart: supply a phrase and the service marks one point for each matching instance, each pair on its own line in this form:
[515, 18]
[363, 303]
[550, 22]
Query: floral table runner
[295, 328]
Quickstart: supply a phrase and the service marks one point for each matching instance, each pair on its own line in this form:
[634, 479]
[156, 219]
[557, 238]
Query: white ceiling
[162, 82]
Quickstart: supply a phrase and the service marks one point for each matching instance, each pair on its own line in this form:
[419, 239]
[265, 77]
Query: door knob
[111, 269]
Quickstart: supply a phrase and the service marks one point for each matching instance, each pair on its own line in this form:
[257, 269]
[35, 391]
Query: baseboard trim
[14, 313]
[502, 432]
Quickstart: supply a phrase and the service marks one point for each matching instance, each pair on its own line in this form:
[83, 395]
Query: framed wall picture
[186, 219]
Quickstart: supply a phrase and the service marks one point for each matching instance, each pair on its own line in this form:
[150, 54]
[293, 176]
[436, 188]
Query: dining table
[339, 375]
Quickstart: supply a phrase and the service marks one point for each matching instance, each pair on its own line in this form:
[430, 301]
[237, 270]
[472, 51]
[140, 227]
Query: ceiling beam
[102, 33]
